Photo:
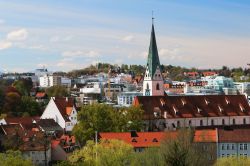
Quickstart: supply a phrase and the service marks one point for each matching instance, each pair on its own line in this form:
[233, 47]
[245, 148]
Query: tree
[13, 158]
[12, 104]
[105, 153]
[105, 118]
[23, 86]
[57, 91]
[233, 161]
[29, 106]
[150, 156]
[181, 151]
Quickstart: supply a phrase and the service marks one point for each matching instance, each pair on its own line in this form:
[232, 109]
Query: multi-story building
[49, 80]
[126, 98]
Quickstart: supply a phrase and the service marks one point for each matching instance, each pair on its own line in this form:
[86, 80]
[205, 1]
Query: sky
[63, 35]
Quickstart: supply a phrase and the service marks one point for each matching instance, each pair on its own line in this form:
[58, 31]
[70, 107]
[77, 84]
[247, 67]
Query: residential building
[127, 98]
[63, 111]
[49, 80]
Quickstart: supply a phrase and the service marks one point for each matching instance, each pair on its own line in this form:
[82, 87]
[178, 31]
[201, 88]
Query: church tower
[153, 80]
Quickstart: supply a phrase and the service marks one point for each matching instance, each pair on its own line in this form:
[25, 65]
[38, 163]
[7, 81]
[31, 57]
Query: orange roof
[142, 139]
[68, 110]
[54, 143]
[40, 94]
[209, 135]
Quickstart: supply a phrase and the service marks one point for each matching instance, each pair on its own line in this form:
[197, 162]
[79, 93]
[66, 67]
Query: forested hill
[169, 71]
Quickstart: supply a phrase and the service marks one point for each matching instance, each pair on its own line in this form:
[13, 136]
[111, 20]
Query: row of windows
[233, 155]
[212, 122]
[232, 147]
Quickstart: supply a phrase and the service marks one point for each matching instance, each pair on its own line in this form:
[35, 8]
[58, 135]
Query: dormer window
[134, 140]
[199, 110]
[206, 101]
[227, 101]
[162, 102]
[220, 108]
[241, 108]
[155, 140]
[175, 109]
[183, 101]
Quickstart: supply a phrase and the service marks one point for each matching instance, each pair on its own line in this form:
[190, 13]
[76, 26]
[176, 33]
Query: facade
[171, 112]
[127, 98]
[153, 80]
[63, 111]
[49, 80]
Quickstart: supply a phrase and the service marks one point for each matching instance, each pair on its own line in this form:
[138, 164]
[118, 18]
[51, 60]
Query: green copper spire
[153, 58]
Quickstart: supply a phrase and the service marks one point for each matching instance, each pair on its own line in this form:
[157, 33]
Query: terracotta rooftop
[208, 135]
[139, 139]
[194, 106]
[40, 94]
[234, 135]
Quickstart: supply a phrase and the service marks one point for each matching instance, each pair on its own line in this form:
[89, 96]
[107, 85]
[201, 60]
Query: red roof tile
[234, 135]
[62, 104]
[194, 106]
[209, 135]
[40, 94]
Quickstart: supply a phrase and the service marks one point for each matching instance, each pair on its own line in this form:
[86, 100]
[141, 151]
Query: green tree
[181, 150]
[57, 91]
[150, 156]
[12, 104]
[105, 153]
[233, 161]
[23, 86]
[13, 158]
[105, 118]
[30, 106]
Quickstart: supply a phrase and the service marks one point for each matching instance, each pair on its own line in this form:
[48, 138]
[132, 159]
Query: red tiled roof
[234, 135]
[40, 94]
[55, 143]
[62, 104]
[26, 122]
[194, 106]
[143, 139]
[209, 135]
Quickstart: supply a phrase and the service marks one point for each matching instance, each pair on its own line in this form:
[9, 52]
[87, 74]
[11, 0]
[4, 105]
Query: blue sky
[63, 35]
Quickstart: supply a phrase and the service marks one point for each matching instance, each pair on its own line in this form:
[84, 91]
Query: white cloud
[17, 35]
[79, 53]
[171, 53]
[60, 39]
[5, 45]
[128, 38]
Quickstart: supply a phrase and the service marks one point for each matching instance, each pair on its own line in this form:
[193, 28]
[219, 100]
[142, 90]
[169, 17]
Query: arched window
[201, 122]
[212, 122]
[157, 86]
[147, 86]
[244, 120]
[223, 121]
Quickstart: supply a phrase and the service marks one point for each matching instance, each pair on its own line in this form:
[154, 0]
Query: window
[228, 155]
[157, 86]
[241, 146]
[233, 121]
[201, 122]
[222, 147]
[245, 146]
[222, 155]
[223, 121]
[147, 86]
[190, 123]
[212, 122]
[178, 124]
[232, 146]
[228, 147]
[244, 120]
